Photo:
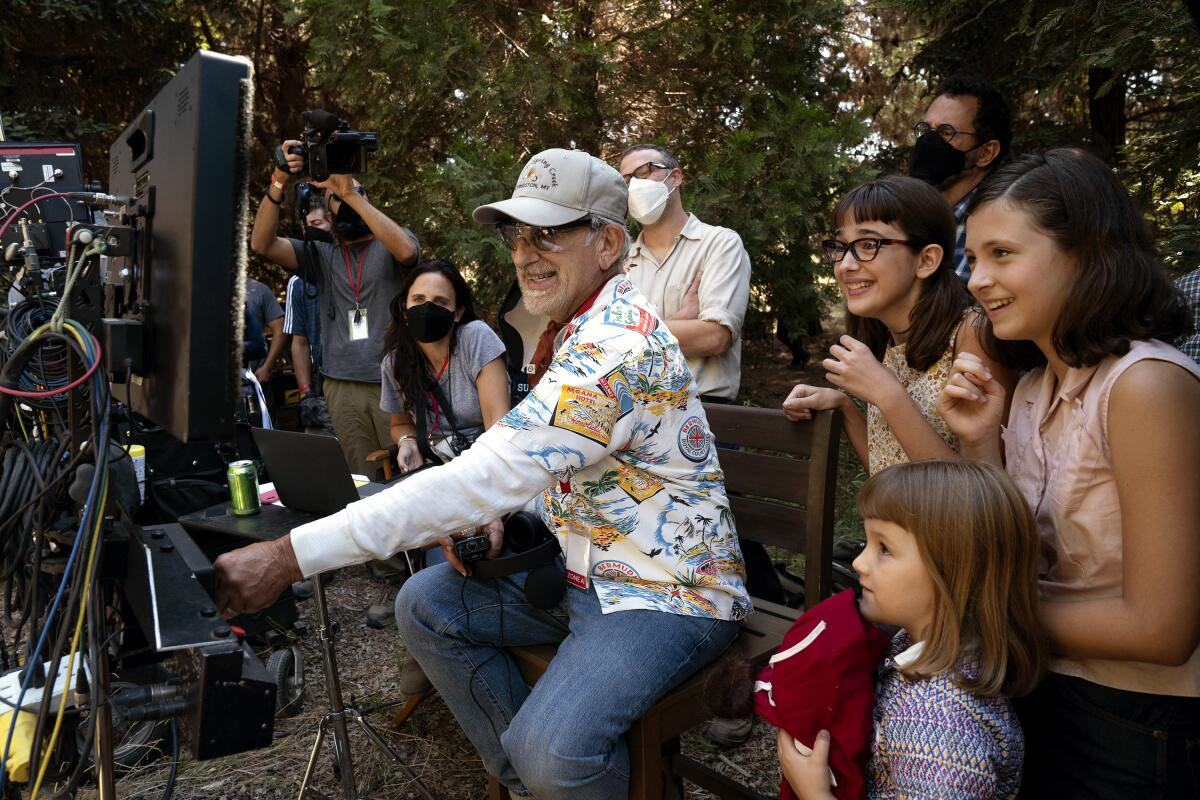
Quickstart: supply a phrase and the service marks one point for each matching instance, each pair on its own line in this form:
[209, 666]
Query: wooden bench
[780, 477]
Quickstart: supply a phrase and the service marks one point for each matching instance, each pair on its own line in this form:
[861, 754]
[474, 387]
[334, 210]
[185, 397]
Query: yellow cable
[83, 600]
[21, 422]
[87, 587]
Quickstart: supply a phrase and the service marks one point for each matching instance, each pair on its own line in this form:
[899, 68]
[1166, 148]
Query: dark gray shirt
[343, 357]
[261, 303]
[477, 345]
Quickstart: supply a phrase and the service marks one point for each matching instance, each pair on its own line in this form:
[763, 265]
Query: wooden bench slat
[759, 428]
[703, 775]
[769, 523]
[764, 475]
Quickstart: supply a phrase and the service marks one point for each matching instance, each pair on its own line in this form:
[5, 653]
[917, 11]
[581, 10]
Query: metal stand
[339, 713]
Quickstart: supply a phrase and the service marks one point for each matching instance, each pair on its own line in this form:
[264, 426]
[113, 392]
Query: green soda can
[243, 488]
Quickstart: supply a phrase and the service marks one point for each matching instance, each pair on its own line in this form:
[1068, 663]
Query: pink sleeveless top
[1056, 449]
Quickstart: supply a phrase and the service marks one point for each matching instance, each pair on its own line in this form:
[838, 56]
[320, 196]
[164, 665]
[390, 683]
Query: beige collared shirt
[1056, 449]
[724, 293]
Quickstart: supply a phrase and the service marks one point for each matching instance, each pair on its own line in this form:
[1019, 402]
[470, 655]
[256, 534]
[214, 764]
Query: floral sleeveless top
[923, 387]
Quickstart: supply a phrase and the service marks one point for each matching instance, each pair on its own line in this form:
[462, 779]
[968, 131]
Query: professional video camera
[330, 147]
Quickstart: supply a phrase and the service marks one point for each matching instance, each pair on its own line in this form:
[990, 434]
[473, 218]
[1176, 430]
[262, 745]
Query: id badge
[357, 320]
[579, 558]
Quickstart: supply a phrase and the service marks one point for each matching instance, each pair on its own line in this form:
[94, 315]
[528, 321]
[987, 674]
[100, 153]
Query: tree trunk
[1106, 113]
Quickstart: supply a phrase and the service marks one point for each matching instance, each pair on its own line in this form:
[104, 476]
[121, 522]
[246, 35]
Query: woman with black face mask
[444, 380]
[444, 383]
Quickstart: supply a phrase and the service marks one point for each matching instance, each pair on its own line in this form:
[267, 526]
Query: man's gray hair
[598, 224]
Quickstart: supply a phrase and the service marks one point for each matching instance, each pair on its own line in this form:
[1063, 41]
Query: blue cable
[89, 508]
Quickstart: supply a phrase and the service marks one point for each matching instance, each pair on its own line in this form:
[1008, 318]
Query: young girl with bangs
[907, 318]
[1104, 442]
[951, 559]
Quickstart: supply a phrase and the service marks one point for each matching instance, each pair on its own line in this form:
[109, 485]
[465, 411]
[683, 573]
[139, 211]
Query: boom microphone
[322, 120]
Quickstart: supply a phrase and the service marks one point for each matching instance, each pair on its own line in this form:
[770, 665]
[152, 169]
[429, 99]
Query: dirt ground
[430, 743]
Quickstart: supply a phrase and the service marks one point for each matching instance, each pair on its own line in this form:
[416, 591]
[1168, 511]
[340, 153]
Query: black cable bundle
[47, 369]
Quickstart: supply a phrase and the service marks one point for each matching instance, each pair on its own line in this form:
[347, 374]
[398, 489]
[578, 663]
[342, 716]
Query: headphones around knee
[533, 547]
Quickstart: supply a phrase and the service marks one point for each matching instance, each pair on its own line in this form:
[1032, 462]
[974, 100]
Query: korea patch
[616, 386]
[694, 441]
[589, 414]
[627, 315]
[639, 485]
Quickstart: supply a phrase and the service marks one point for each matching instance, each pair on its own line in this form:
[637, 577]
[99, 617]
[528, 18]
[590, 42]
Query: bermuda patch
[614, 570]
[616, 386]
[627, 315]
[694, 441]
[636, 483]
[590, 414]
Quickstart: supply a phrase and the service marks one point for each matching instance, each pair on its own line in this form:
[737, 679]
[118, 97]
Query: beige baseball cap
[560, 186]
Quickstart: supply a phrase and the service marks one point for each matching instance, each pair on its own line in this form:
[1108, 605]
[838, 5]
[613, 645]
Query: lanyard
[437, 420]
[356, 286]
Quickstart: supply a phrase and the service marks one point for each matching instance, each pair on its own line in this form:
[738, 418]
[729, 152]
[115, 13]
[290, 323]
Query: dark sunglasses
[542, 238]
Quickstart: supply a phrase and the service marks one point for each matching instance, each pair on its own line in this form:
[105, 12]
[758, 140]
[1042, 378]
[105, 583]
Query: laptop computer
[309, 471]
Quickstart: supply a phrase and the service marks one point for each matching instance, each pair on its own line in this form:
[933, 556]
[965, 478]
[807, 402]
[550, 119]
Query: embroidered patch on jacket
[627, 315]
[587, 413]
[694, 441]
[616, 386]
[614, 570]
[638, 484]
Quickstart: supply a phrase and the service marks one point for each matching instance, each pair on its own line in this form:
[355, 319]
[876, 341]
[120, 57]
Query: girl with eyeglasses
[907, 318]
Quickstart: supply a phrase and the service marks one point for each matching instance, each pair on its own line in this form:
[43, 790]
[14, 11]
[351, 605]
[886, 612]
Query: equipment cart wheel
[286, 667]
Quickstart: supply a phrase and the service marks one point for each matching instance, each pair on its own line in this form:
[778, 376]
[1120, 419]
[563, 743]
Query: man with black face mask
[964, 134]
[356, 277]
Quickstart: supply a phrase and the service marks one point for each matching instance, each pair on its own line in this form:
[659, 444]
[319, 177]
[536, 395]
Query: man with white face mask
[697, 276]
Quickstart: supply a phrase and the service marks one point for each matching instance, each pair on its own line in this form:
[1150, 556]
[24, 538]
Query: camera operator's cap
[560, 186]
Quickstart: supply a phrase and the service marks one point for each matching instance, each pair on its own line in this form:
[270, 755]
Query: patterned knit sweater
[934, 739]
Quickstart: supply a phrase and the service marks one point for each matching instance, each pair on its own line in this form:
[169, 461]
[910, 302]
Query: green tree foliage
[1119, 77]
[463, 92]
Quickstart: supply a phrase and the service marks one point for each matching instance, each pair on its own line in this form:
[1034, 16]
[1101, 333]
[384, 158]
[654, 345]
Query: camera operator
[357, 277]
[612, 449]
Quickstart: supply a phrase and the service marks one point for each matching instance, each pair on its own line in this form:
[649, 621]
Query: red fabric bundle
[821, 678]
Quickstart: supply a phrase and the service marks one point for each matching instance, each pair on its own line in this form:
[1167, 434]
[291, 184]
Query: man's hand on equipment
[250, 579]
[495, 532]
[340, 184]
[294, 161]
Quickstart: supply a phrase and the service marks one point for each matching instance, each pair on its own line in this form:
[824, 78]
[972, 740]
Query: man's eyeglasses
[863, 249]
[542, 238]
[945, 130]
[645, 170]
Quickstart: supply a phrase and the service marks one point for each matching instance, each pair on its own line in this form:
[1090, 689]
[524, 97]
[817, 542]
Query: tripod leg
[312, 759]
[374, 736]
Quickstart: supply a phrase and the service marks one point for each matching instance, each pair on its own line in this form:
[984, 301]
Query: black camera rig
[330, 147]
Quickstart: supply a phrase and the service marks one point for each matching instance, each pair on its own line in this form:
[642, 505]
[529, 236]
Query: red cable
[12, 217]
[68, 387]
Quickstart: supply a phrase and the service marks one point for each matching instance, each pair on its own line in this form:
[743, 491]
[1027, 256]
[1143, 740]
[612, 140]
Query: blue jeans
[564, 738]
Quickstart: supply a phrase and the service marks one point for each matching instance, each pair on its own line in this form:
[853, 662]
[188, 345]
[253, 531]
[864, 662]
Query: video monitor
[180, 293]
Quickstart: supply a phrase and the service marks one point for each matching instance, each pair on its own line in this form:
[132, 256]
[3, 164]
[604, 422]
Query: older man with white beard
[612, 450]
